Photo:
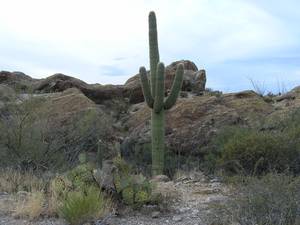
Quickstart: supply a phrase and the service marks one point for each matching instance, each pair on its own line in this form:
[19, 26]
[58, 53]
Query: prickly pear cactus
[154, 94]
[134, 190]
[81, 176]
[142, 197]
[128, 195]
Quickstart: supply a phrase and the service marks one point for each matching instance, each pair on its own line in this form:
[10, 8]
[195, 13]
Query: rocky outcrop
[58, 83]
[17, 80]
[193, 80]
[101, 93]
[96, 92]
[199, 82]
[193, 122]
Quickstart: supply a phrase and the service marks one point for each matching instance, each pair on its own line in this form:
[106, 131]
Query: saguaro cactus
[155, 96]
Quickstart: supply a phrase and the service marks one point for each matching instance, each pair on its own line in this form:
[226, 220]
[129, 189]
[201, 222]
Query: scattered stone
[160, 178]
[177, 218]
[146, 209]
[182, 179]
[183, 210]
[155, 214]
[287, 96]
[104, 177]
[88, 223]
[183, 94]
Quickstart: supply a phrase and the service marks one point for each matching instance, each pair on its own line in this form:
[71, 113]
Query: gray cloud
[231, 39]
[111, 70]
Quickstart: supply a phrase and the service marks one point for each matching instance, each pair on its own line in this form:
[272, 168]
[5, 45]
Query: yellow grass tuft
[30, 206]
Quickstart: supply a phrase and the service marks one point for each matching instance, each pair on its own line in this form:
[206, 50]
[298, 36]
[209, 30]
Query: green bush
[30, 137]
[273, 199]
[139, 156]
[254, 152]
[80, 206]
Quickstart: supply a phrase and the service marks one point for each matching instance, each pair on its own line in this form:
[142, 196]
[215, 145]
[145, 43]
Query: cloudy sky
[101, 41]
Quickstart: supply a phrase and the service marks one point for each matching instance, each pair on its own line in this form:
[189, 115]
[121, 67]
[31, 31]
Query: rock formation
[190, 125]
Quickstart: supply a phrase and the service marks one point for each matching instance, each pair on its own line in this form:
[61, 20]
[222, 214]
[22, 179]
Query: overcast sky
[106, 41]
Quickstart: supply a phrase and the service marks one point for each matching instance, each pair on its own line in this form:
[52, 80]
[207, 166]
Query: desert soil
[193, 193]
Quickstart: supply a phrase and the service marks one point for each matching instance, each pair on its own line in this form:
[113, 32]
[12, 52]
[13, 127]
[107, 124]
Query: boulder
[102, 93]
[193, 80]
[199, 82]
[58, 83]
[17, 80]
[105, 176]
[96, 92]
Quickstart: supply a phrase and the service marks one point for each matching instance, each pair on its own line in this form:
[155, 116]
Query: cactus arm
[160, 88]
[153, 51]
[176, 87]
[145, 87]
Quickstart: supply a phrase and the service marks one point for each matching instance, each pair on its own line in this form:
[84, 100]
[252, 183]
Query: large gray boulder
[194, 80]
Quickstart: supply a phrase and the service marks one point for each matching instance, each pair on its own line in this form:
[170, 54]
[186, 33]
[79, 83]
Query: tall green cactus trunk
[158, 141]
[155, 96]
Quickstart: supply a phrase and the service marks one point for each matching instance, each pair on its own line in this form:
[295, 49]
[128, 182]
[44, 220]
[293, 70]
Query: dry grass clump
[31, 205]
[31, 197]
[28, 198]
[12, 181]
[273, 199]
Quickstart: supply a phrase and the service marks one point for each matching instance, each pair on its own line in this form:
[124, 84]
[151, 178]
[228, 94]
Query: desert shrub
[23, 141]
[30, 137]
[253, 151]
[138, 155]
[12, 181]
[256, 152]
[84, 206]
[258, 87]
[273, 199]
[140, 158]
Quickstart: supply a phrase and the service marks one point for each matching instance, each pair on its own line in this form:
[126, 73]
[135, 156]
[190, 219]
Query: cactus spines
[155, 96]
[176, 87]
[160, 88]
[153, 50]
[146, 87]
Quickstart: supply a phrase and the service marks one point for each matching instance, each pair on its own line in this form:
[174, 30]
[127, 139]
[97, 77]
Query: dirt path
[194, 194]
[190, 209]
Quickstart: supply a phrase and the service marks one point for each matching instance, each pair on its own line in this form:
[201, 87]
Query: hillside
[55, 132]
